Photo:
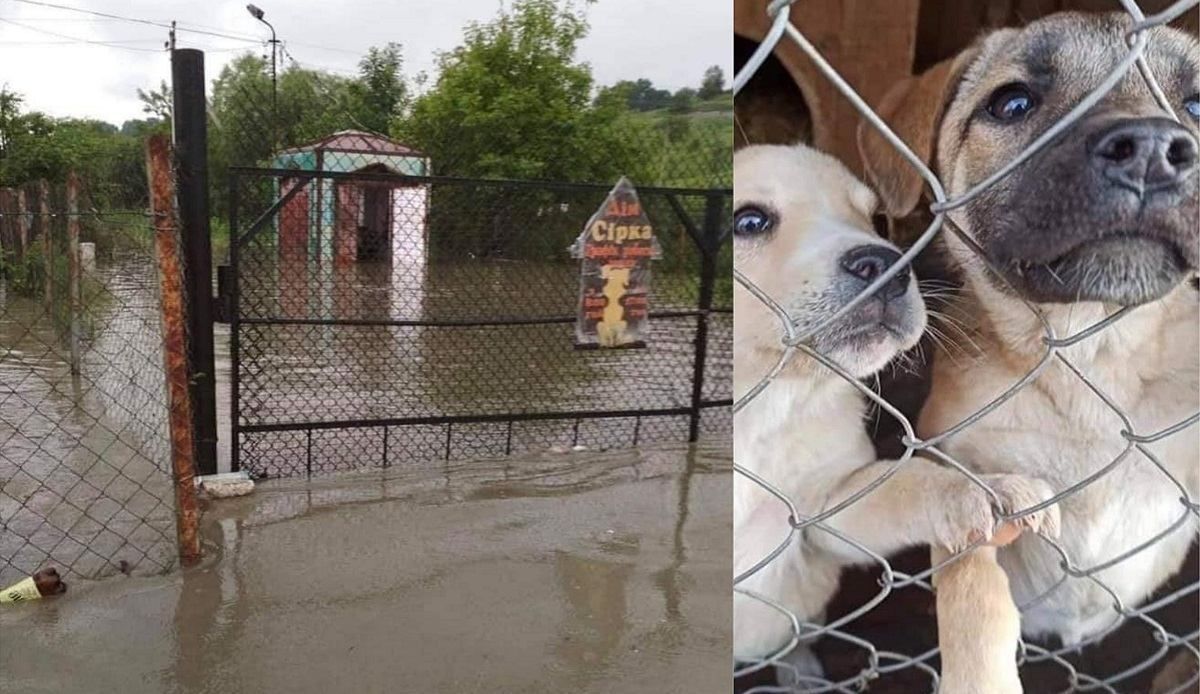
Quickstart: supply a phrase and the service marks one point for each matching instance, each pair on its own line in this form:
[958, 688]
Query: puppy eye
[1192, 105]
[751, 221]
[1011, 103]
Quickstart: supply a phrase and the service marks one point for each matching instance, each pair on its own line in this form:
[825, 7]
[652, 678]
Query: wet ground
[586, 572]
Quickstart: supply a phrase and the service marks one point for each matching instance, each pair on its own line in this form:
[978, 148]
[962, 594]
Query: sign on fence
[616, 248]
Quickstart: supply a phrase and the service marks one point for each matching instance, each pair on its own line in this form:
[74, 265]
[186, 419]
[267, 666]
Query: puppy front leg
[978, 624]
[926, 503]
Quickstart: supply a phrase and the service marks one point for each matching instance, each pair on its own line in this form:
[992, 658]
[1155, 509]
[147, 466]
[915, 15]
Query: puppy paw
[1018, 492]
[966, 515]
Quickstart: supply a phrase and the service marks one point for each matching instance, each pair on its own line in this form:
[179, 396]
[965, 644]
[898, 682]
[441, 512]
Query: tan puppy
[1104, 217]
[803, 236]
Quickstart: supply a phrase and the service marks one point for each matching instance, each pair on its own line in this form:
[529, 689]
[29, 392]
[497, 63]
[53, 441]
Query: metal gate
[383, 320]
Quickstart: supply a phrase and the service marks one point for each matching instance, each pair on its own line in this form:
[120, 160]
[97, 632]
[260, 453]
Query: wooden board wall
[868, 41]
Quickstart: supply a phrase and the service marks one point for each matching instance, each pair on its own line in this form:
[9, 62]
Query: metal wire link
[794, 341]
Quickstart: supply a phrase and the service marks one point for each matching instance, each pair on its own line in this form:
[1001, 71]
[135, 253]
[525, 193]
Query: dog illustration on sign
[611, 329]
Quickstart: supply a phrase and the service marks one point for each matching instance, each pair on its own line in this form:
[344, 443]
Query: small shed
[350, 220]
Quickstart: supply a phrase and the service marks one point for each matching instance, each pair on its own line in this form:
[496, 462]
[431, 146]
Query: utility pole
[258, 14]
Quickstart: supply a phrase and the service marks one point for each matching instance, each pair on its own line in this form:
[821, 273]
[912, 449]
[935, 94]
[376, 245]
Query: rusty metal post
[47, 244]
[74, 270]
[23, 221]
[175, 347]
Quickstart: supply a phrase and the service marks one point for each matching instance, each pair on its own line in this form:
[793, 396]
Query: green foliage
[512, 102]
[379, 96]
[637, 95]
[38, 147]
[683, 101]
[713, 83]
[157, 102]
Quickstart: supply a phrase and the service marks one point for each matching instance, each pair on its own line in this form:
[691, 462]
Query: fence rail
[879, 661]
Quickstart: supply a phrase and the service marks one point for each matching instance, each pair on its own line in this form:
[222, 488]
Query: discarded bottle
[43, 583]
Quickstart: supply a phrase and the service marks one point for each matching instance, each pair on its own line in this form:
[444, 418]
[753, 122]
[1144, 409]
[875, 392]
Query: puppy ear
[913, 109]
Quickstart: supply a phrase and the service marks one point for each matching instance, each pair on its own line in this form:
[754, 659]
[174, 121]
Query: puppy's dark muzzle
[1144, 155]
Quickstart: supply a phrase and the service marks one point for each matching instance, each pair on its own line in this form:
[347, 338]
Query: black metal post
[235, 329]
[274, 92]
[191, 148]
[714, 205]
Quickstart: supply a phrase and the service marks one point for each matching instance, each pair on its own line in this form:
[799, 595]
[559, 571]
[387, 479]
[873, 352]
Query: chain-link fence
[1161, 645]
[85, 473]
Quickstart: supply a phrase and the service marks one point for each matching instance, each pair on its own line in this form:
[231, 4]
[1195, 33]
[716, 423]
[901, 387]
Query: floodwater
[84, 457]
[298, 368]
[583, 572]
[84, 472]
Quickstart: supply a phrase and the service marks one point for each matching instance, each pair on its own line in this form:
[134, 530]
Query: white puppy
[803, 236]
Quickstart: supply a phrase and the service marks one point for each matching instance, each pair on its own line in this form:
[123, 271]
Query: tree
[713, 84]
[10, 110]
[512, 102]
[379, 95]
[683, 100]
[639, 95]
[157, 103]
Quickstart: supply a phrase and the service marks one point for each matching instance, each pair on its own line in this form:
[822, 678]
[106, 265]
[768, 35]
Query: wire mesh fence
[85, 478]
[1164, 644]
[382, 320]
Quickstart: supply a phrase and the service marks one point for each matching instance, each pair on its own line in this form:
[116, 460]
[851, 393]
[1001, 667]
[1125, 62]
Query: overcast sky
[668, 41]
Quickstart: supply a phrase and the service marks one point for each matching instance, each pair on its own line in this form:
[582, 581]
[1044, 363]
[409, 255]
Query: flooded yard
[84, 481]
[588, 572]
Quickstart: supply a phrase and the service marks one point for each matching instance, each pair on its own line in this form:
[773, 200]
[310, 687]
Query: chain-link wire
[85, 473]
[1176, 643]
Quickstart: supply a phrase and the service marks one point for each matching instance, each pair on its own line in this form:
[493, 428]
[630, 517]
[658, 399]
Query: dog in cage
[1105, 216]
[804, 239]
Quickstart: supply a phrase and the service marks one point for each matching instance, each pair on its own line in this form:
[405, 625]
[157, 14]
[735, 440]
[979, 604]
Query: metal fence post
[175, 352]
[234, 329]
[190, 122]
[710, 235]
[45, 228]
[23, 220]
[74, 269]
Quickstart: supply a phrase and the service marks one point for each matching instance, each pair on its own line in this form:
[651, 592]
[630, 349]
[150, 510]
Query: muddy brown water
[583, 572]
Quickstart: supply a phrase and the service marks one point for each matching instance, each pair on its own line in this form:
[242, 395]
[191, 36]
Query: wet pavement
[585, 572]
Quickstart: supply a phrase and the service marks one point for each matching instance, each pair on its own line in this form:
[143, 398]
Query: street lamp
[257, 13]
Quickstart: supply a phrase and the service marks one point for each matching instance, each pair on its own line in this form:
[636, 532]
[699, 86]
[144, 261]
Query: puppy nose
[869, 262]
[1145, 155]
